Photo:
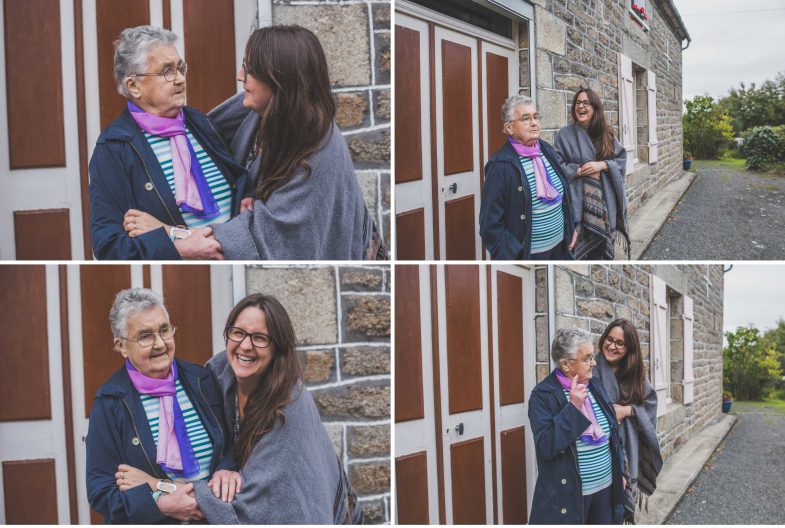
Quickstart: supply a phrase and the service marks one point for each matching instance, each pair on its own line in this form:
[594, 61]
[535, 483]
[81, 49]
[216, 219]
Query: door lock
[454, 188]
[459, 427]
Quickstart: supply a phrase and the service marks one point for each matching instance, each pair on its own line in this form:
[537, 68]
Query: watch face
[178, 233]
[166, 487]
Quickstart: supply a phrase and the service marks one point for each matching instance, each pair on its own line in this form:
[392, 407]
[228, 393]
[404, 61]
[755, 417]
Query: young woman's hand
[225, 484]
[622, 411]
[574, 240]
[246, 204]
[592, 169]
[137, 223]
[128, 477]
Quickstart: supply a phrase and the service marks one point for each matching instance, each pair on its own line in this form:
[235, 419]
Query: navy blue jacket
[556, 424]
[119, 434]
[506, 206]
[125, 174]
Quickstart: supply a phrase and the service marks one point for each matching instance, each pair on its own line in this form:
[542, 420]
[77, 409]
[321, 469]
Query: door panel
[513, 477]
[498, 80]
[408, 353]
[462, 292]
[411, 488]
[457, 105]
[468, 482]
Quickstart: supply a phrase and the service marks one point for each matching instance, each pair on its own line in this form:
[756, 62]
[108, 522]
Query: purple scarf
[593, 435]
[191, 190]
[546, 191]
[175, 453]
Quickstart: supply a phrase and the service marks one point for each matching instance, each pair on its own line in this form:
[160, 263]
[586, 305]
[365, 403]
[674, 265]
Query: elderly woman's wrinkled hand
[137, 222]
[578, 393]
[201, 245]
[181, 504]
[225, 484]
[128, 477]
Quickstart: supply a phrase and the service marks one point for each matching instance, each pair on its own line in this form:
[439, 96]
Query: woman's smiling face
[584, 110]
[614, 348]
[247, 360]
[155, 360]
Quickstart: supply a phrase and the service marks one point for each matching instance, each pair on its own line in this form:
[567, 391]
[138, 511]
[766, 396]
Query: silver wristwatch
[178, 233]
[166, 486]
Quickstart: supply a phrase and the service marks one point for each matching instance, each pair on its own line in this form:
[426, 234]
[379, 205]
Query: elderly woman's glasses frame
[238, 335]
[169, 74]
[588, 361]
[147, 339]
[526, 119]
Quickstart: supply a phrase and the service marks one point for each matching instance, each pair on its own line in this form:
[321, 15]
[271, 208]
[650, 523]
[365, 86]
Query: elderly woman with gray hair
[160, 157]
[577, 442]
[156, 413]
[525, 211]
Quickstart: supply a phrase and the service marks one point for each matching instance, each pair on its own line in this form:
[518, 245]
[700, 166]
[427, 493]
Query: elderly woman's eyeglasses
[612, 342]
[526, 119]
[238, 335]
[147, 339]
[169, 74]
[586, 361]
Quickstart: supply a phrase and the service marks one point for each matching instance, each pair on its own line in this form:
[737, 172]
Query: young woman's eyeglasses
[586, 103]
[147, 339]
[612, 342]
[169, 74]
[238, 335]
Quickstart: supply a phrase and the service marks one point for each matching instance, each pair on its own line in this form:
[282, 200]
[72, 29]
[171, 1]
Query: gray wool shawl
[316, 216]
[574, 148]
[639, 433]
[293, 475]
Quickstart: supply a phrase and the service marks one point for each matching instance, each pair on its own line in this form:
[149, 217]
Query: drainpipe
[264, 12]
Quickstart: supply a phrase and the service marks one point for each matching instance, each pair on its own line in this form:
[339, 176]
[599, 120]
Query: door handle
[454, 187]
[459, 427]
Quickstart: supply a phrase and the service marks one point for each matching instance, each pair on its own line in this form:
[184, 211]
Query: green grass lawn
[768, 405]
[719, 164]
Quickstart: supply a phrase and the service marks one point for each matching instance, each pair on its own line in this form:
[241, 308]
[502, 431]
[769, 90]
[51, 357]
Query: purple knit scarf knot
[191, 189]
[174, 453]
[546, 190]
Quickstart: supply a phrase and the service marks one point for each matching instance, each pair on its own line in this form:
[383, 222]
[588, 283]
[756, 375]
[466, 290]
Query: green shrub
[762, 146]
[751, 369]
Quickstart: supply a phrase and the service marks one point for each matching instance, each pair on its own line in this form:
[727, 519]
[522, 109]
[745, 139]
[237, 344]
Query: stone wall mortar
[341, 315]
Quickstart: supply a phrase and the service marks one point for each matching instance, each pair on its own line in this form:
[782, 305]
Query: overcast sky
[732, 41]
[754, 293]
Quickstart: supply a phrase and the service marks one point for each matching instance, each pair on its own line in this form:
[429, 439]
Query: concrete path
[744, 482]
[726, 214]
[681, 469]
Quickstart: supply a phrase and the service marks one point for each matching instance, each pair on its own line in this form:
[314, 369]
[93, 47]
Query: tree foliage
[707, 130]
[756, 106]
[751, 367]
[762, 145]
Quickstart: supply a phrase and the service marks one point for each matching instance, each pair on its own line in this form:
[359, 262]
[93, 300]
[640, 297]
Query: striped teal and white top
[547, 219]
[218, 185]
[200, 440]
[594, 461]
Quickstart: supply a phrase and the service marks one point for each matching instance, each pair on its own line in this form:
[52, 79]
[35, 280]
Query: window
[637, 113]
[639, 11]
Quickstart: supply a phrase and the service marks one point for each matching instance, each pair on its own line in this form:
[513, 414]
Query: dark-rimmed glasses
[618, 344]
[586, 103]
[169, 74]
[147, 339]
[238, 335]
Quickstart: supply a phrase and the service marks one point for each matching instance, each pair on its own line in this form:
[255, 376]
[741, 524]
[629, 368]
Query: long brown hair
[600, 133]
[266, 402]
[291, 61]
[630, 374]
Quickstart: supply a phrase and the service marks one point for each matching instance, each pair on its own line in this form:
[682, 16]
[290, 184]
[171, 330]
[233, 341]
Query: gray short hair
[132, 49]
[511, 102]
[130, 302]
[566, 342]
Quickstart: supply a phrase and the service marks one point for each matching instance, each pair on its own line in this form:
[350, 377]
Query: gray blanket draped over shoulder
[318, 216]
[293, 475]
[639, 433]
[574, 148]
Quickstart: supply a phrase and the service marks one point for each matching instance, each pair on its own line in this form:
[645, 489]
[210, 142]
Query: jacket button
[148, 186]
[564, 510]
[561, 452]
[135, 441]
[564, 481]
[523, 217]
[520, 188]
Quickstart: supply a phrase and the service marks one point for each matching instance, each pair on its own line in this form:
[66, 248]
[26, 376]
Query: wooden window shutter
[689, 380]
[659, 341]
[627, 110]
[651, 90]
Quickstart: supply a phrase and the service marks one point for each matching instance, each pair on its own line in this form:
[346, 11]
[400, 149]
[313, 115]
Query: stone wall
[355, 35]
[591, 296]
[577, 42]
[341, 315]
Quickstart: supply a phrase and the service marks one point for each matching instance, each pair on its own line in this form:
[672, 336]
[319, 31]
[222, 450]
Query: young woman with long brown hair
[621, 370]
[594, 164]
[307, 203]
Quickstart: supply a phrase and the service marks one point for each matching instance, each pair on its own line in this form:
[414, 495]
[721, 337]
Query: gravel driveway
[726, 214]
[744, 481]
